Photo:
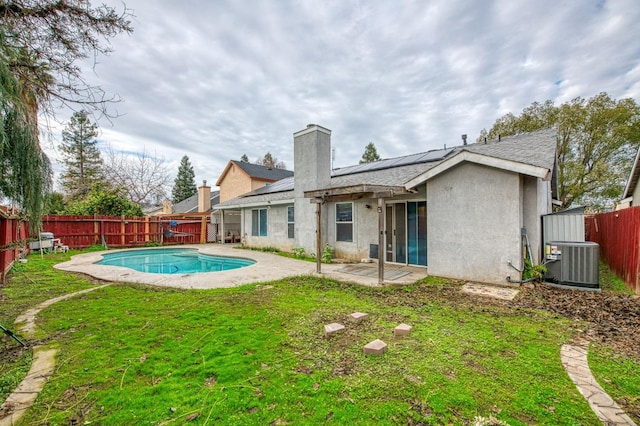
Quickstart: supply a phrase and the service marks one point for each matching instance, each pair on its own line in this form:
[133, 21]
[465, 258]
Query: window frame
[291, 220]
[257, 230]
[344, 224]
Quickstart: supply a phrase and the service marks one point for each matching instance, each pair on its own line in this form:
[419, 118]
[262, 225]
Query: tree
[184, 185]
[104, 201]
[370, 154]
[81, 156]
[270, 161]
[596, 141]
[25, 171]
[48, 38]
[54, 203]
[41, 43]
[244, 158]
[142, 176]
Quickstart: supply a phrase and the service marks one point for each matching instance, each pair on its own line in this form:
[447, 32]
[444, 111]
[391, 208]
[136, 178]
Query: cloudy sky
[217, 79]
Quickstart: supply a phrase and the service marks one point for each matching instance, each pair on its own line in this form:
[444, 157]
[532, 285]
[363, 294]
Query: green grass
[609, 281]
[618, 375]
[257, 355]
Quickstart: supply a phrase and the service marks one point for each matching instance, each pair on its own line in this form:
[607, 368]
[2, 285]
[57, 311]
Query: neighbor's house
[239, 178]
[460, 211]
[631, 195]
[203, 201]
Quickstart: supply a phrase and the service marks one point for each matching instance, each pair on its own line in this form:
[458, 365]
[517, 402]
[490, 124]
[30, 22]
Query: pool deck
[268, 267]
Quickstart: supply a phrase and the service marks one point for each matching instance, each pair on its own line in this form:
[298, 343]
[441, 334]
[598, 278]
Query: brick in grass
[357, 316]
[402, 330]
[333, 328]
[377, 347]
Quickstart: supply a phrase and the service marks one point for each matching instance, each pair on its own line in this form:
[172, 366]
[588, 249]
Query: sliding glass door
[406, 233]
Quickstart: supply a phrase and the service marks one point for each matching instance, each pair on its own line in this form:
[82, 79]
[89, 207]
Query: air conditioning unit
[573, 264]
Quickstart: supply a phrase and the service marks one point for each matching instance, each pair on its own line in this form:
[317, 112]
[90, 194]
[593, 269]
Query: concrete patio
[268, 267]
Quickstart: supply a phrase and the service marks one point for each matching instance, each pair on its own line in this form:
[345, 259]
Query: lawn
[134, 354]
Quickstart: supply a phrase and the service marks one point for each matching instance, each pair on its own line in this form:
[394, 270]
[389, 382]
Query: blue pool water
[172, 261]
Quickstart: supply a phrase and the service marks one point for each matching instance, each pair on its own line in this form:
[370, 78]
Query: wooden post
[203, 230]
[96, 230]
[122, 240]
[146, 229]
[381, 246]
[318, 238]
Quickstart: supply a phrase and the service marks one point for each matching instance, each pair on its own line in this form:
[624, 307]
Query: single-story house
[462, 212]
[631, 195]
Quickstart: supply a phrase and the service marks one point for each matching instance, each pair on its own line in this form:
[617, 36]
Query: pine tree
[244, 158]
[81, 156]
[370, 154]
[272, 162]
[185, 184]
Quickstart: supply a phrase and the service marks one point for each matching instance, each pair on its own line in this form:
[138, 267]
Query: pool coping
[267, 267]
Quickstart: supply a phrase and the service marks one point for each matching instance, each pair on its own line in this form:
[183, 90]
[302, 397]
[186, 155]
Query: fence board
[13, 241]
[85, 231]
[618, 234]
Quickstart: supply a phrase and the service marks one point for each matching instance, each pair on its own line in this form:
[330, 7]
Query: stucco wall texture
[473, 226]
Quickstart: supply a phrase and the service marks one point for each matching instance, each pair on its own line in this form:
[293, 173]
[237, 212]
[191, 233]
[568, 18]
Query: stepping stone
[357, 316]
[377, 347]
[333, 328]
[402, 330]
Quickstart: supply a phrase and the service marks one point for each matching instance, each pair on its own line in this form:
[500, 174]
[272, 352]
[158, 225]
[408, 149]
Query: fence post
[203, 230]
[96, 230]
[146, 229]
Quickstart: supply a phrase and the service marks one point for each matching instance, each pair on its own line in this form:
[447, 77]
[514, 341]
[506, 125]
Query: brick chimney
[204, 197]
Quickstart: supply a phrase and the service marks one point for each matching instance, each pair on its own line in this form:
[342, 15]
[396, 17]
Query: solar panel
[423, 157]
[285, 184]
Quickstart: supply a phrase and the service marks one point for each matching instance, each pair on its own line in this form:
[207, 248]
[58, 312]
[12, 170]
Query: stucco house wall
[536, 201]
[277, 228]
[236, 182]
[312, 159]
[473, 227]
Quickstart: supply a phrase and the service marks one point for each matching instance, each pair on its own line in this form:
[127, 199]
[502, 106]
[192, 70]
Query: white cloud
[214, 80]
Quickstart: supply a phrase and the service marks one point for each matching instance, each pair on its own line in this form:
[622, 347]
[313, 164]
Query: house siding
[473, 223]
[235, 183]
[277, 227]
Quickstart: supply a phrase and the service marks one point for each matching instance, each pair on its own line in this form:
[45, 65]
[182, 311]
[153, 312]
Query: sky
[214, 80]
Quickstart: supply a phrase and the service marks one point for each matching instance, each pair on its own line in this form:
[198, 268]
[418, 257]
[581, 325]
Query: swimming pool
[172, 261]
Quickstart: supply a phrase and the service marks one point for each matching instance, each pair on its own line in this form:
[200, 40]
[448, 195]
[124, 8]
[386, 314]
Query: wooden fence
[13, 240]
[618, 234]
[86, 231]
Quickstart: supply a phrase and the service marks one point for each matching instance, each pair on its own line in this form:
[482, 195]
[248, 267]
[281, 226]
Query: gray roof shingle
[258, 171]
[536, 149]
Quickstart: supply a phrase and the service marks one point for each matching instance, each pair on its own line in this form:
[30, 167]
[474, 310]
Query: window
[290, 222]
[259, 222]
[344, 222]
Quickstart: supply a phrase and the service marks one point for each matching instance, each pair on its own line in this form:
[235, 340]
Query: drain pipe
[528, 280]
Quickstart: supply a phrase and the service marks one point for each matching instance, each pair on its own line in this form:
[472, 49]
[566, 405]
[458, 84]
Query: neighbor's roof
[190, 205]
[256, 171]
[633, 178]
[529, 153]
